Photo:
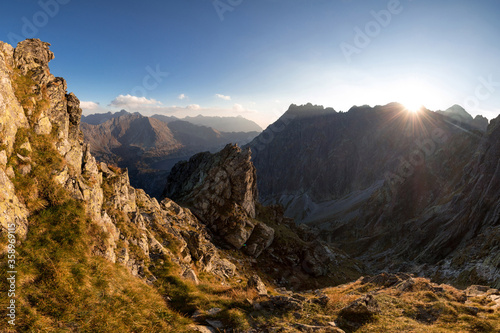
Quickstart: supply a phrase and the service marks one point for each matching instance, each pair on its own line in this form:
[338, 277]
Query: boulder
[261, 238]
[358, 313]
[190, 275]
[254, 282]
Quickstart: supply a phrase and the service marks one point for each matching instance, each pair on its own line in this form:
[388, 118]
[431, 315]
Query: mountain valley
[371, 220]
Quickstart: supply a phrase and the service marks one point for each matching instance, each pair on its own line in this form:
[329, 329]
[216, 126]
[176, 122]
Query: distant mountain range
[222, 124]
[395, 189]
[150, 146]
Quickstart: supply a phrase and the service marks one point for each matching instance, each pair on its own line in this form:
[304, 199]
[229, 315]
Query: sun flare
[413, 107]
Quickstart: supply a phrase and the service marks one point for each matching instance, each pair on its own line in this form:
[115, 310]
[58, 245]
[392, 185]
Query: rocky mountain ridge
[397, 190]
[149, 147]
[221, 124]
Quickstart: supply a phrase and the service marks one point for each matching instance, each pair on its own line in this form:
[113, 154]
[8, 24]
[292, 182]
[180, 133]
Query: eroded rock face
[212, 182]
[12, 115]
[221, 189]
[140, 232]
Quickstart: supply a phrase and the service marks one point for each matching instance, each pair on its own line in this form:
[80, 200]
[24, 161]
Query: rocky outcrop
[221, 190]
[140, 232]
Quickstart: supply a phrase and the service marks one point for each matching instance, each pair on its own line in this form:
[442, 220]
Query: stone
[44, 126]
[315, 328]
[214, 311]
[10, 172]
[318, 259]
[282, 303]
[25, 159]
[261, 238]
[190, 275]
[215, 323]
[255, 282]
[26, 146]
[322, 300]
[475, 290]
[203, 329]
[358, 313]
[32, 55]
[25, 169]
[406, 286]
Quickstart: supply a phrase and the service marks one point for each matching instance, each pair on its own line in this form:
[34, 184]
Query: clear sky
[255, 57]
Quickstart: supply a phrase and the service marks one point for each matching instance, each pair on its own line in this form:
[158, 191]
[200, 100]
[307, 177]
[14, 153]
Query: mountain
[84, 251]
[225, 124]
[149, 147]
[99, 118]
[387, 186]
[458, 115]
[221, 124]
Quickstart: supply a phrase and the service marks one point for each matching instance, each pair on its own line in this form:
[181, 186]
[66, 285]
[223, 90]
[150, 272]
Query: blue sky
[255, 57]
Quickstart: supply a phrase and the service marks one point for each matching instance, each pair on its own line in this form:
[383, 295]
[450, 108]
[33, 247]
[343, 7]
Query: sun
[413, 93]
[413, 107]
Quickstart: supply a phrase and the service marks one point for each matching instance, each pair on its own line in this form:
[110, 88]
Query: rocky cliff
[45, 165]
[221, 189]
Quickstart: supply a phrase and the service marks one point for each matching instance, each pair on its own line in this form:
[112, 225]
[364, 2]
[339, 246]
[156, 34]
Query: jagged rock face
[139, 231]
[11, 113]
[341, 159]
[12, 118]
[222, 191]
[210, 182]
[33, 55]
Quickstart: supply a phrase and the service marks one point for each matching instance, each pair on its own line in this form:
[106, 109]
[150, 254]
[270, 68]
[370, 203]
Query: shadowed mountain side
[337, 154]
[387, 186]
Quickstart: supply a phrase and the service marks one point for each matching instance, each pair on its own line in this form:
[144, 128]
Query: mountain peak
[460, 116]
[459, 110]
